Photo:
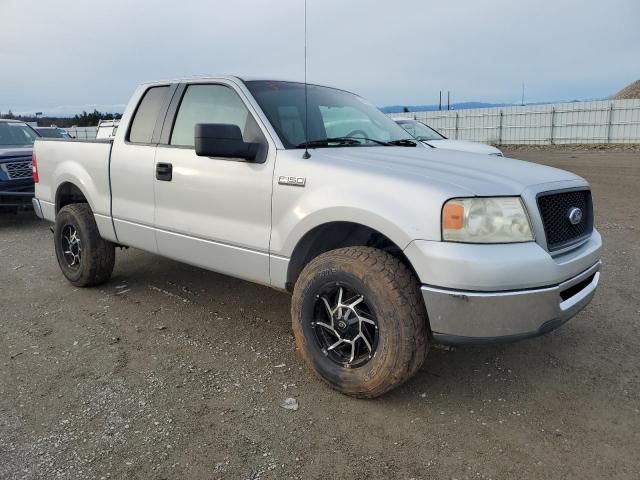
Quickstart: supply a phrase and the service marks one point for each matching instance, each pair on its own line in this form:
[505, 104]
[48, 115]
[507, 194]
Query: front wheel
[359, 320]
[85, 258]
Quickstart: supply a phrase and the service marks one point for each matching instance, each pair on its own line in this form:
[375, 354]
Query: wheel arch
[338, 234]
[67, 193]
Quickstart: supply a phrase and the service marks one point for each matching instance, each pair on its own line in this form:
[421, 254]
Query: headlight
[485, 220]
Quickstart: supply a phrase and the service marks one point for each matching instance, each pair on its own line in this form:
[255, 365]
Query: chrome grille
[17, 170]
[555, 208]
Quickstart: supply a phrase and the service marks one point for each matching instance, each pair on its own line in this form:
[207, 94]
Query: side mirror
[223, 140]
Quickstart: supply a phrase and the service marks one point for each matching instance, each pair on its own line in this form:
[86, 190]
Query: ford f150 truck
[16, 180]
[387, 245]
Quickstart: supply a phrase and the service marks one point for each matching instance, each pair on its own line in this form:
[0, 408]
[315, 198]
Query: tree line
[85, 119]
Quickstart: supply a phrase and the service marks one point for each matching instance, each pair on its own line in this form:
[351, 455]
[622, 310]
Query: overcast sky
[64, 56]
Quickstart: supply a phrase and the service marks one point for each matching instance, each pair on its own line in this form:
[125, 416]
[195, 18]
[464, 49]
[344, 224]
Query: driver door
[214, 212]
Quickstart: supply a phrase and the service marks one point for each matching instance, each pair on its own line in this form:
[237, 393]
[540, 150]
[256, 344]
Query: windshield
[16, 134]
[335, 117]
[52, 133]
[420, 131]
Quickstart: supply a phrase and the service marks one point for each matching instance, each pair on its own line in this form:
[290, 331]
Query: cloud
[78, 53]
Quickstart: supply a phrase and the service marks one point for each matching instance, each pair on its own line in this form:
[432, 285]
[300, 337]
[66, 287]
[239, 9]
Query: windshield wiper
[405, 142]
[340, 141]
[324, 142]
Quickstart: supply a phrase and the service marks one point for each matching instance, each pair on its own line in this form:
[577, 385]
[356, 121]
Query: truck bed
[85, 163]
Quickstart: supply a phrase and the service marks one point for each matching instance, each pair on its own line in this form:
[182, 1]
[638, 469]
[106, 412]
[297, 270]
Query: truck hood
[463, 146]
[14, 152]
[460, 173]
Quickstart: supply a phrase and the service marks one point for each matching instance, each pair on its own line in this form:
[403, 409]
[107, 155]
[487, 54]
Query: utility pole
[448, 100]
[522, 94]
[440, 102]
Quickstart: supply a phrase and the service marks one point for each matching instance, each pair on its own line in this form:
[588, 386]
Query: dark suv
[16, 178]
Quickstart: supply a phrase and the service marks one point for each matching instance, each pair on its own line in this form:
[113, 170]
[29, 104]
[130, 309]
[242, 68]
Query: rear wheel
[85, 258]
[359, 320]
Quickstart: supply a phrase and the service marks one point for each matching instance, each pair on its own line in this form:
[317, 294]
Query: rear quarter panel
[83, 163]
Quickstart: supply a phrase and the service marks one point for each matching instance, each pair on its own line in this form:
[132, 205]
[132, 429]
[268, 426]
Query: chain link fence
[610, 121]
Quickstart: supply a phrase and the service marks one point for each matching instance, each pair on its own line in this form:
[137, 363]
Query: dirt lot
[169, 371]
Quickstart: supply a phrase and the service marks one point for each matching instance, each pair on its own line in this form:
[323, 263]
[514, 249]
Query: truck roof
[194, 77]
[219, 77]
[233, 78]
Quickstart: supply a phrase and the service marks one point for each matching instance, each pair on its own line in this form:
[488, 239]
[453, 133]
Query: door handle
[164, 172]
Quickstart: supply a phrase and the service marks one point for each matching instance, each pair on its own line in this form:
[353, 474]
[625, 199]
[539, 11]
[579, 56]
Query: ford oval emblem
[575, 215]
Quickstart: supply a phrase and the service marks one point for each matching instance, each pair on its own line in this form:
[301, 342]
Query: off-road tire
[98, 255]
[393, 294]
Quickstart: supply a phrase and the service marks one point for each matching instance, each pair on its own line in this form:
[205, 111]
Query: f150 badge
[292, 181]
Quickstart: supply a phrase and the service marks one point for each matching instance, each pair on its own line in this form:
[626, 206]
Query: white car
[429, 136]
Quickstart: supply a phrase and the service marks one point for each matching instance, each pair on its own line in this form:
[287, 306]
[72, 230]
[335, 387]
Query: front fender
[401, 209]
[285, 245]
[297, 211]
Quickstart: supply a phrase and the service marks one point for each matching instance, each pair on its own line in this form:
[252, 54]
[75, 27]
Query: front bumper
[458, 316]
[477, 293]
[16, 197]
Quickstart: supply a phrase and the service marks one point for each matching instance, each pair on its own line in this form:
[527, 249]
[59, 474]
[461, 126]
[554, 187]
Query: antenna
[306, 101]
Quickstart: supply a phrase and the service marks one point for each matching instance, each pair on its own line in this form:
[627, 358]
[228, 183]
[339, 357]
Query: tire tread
[405, 290]
[100, 259]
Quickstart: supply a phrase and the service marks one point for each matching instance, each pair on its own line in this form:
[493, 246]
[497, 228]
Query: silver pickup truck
[385, 244]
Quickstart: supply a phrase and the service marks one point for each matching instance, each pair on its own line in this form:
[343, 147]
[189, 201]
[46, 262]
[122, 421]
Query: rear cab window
[146, 116]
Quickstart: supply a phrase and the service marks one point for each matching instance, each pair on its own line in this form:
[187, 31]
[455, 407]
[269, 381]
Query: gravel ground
[514, 150]
[170, 371]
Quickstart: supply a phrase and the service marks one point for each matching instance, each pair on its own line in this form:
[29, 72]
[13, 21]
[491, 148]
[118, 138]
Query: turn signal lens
[453, 216]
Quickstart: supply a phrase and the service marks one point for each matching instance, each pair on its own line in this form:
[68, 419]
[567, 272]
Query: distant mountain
[632, 89]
